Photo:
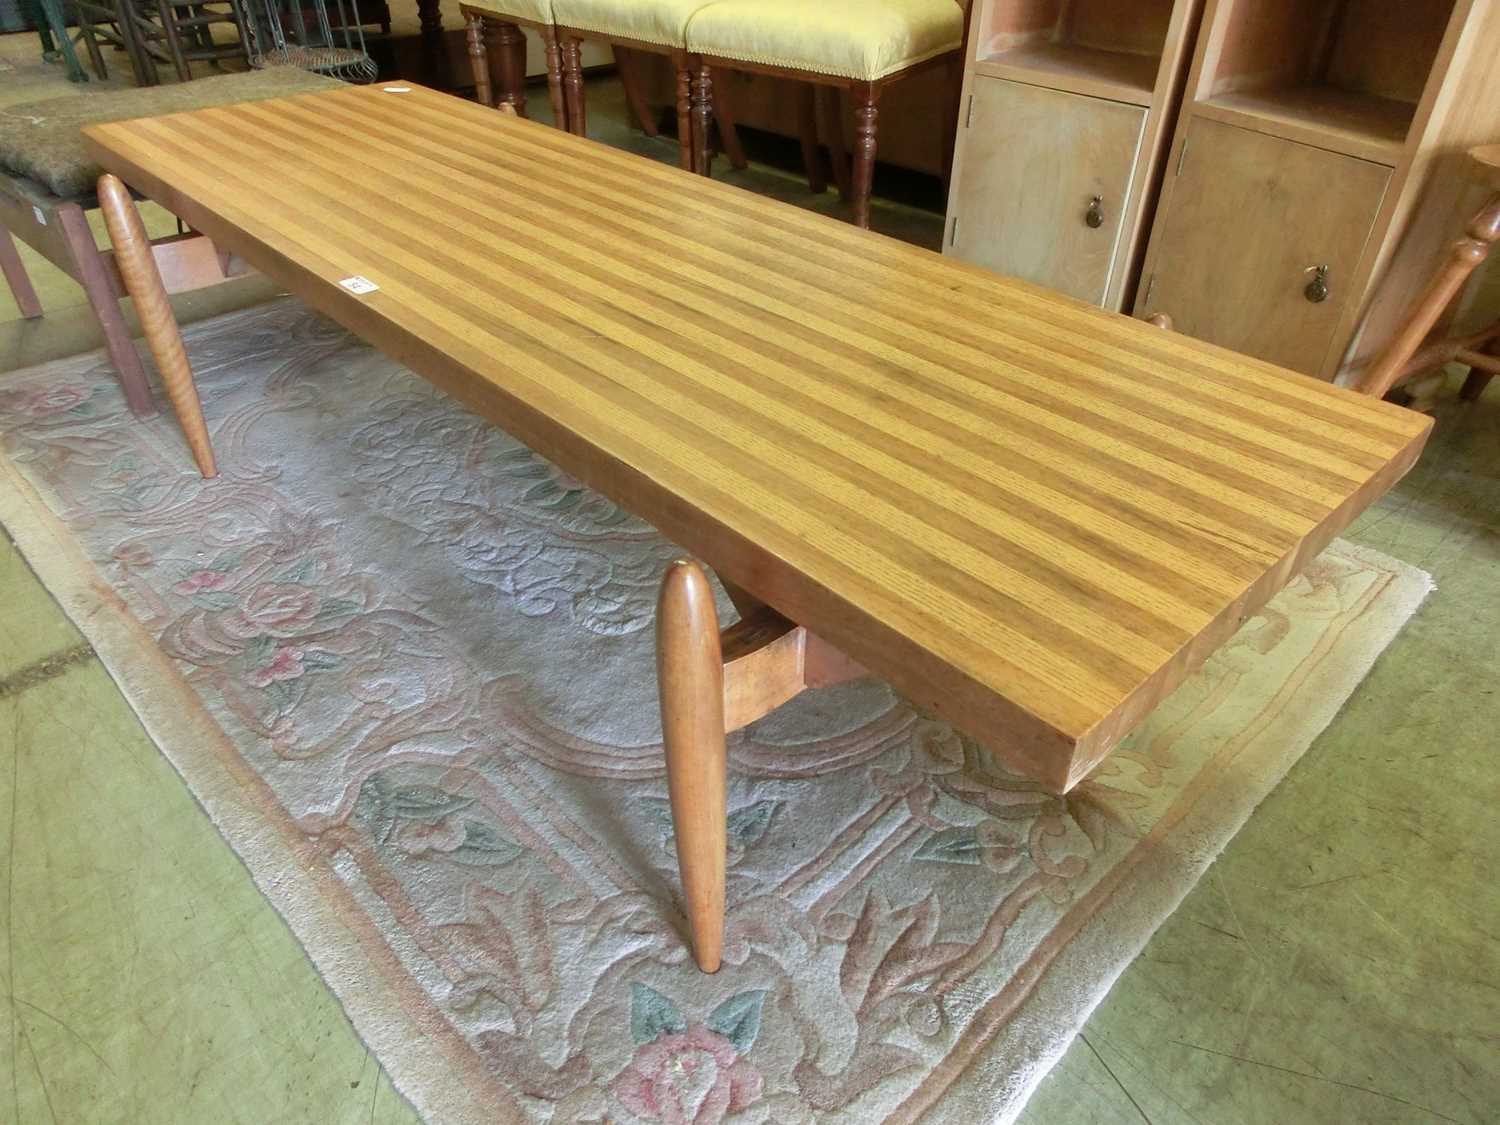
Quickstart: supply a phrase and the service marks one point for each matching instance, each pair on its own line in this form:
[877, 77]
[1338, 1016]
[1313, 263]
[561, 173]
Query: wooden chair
[858, 47]
[1412, 353]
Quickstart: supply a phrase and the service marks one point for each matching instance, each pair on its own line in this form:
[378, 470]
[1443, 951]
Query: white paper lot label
[359, 284]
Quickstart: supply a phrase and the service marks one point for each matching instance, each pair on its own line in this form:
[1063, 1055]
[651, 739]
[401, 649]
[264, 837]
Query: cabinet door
[1248, 220]
[1033, 160]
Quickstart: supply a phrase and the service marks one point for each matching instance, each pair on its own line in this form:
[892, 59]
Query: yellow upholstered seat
[533, 11]
[860, 39]
[663, 22]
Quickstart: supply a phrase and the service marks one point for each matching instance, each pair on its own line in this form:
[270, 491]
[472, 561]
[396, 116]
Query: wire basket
[281, 35]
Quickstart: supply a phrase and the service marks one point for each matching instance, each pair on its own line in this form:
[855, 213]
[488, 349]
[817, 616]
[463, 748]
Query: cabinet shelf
[1343, 121]
[1116, 75]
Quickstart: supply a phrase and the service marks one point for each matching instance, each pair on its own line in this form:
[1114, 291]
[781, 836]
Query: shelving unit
[1318, 133]
[1067, 111]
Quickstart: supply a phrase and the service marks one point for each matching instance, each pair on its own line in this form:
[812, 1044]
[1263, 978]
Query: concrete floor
[1339, 963]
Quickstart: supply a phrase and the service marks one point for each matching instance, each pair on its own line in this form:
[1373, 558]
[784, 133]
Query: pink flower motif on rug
[285, 665]
[274, 610]
[53, 400]
[690, 1075]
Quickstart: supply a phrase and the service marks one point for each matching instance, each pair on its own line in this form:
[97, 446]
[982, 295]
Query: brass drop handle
[1094, 216]
[1317, 288]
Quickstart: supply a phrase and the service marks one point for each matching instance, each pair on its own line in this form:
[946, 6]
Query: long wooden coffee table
[1033, 518]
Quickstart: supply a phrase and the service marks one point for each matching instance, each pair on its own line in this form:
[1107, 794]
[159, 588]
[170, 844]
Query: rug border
[1157, 883]
[342, 944]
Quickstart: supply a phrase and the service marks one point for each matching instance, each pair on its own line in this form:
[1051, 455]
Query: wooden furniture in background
[497, 52]
[1033, 519]
[1066, 116]
[1411, 352]
[855, 47]
[1316, 170]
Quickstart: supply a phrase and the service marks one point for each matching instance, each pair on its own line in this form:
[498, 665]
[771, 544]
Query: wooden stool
[854, 46]
[1412, 353]
[497, 52]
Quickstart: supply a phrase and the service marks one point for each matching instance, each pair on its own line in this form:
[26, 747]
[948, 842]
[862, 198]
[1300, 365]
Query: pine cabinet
[1066, 112]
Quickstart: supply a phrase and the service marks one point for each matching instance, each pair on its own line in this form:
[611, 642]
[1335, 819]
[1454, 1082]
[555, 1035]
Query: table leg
[143, 283]
[479, 60]
[690, 676]
[712, 683]
[429, 18]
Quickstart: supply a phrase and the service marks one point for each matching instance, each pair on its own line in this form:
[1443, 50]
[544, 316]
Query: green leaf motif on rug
[952, 845]
[424, 802]
[653, 1015]
[483, 846]
[738, 1018]
[744, 826]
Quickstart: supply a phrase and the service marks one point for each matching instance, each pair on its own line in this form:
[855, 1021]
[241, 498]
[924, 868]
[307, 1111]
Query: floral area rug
[407, 667]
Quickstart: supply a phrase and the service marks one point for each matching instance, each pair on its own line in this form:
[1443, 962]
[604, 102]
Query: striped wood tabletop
[1031, 516]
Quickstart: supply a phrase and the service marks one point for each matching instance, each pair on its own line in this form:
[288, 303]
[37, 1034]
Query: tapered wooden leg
[479, 60]
[553, 54]
[729, 136]
[685, 155]
[1479, 378]
[690, 675]
[703, 114]
[143, 283]
[832, 100]
[807, 129]
[92, 274]
[863, 175]
[635, 97]
[572, 61]
[17, 278]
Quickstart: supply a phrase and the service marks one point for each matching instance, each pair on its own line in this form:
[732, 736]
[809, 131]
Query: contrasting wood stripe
[1031, 515]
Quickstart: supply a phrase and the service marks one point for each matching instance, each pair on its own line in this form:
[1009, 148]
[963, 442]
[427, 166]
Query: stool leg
[729, 135]
[554, 78]
[690, 676]
[479, 60]
[143, 283]
[703, 115]
[684, 111]
[572, 62]
[866, 95]
[92, 273]
[16, 277]
[807, 130]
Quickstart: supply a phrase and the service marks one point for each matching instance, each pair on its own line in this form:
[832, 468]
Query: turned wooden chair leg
[703, 114]
[1464, 257]
[93, 274]
[553, 55]
[866, 115]
[479, 60]
[143, 283]
[513, 65]
[807, 131]
[690, 676]
[685, 157]
[17, 278]
[572, 64]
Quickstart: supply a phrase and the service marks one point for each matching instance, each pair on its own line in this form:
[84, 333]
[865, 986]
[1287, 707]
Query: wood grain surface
[1030, 516]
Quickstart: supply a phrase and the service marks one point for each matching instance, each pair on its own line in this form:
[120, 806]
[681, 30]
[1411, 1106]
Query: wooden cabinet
[1045, 179]
[1065, 101]
[1260, 240]
[1319, 132]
